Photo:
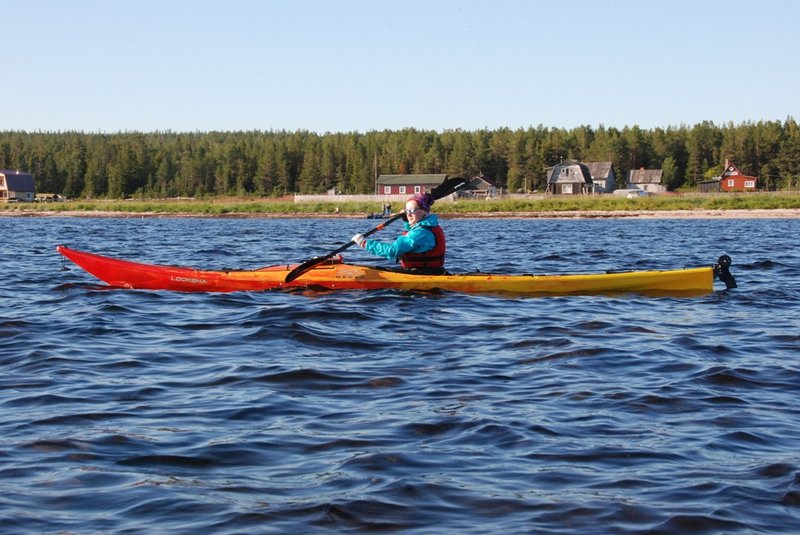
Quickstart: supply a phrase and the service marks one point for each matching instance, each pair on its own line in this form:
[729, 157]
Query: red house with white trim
[407, 184]
[732, 179]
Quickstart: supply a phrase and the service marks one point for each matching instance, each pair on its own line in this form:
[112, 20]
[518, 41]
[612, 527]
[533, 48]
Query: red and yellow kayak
[337, 275]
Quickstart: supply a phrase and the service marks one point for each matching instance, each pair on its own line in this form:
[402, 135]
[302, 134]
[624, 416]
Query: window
[387, 190]
[417, 189]
[750, 184]
[566, 188]
[731, 183]
[402, 190]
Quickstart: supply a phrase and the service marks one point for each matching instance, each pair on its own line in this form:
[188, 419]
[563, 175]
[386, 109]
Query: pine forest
[275, 163]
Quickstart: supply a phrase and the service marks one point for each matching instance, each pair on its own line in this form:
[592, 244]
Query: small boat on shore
[335, 274]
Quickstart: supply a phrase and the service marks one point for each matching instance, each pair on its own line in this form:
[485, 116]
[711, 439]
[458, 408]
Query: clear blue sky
[361, 65]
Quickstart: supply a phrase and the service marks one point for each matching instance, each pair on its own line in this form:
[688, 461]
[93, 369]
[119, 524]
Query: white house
[648, 180]
[603, 176]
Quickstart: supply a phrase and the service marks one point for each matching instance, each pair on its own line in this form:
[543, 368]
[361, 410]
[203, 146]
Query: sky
[363, 65]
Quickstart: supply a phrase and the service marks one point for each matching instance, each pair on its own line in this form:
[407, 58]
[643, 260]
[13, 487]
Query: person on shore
[421, 247]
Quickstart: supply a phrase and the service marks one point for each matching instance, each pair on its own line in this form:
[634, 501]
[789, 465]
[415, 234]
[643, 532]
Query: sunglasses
[414, 211]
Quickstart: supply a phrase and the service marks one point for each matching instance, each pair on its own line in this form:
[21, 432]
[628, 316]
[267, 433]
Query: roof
[479, 183]
[554, 176]
[645, 176]
[599, 169]
[404, 180]
[17, 180]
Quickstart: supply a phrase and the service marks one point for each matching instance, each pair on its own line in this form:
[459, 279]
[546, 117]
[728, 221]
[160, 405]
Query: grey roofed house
[569, 178]
[16, 185]
[603, 176]
[646, 179]
[480, 185]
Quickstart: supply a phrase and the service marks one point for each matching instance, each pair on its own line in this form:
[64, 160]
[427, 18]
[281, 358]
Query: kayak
[335, 274]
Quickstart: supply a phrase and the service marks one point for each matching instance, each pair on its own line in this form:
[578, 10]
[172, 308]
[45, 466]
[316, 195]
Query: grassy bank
[221, 207]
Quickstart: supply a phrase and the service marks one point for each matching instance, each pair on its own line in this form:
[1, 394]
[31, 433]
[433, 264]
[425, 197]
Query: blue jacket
[418, 239]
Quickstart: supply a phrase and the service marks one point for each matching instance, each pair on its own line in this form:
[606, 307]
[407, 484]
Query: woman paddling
[421, 247]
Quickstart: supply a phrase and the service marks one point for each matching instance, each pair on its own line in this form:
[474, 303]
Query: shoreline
[639, 214]
[777, 213]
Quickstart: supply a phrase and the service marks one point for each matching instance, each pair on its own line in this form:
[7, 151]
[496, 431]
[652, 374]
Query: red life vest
[429, 259]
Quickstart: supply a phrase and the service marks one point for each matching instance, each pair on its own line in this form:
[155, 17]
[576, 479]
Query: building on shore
[407, 184]
[16, 186]
[731, 179]
[649, 180]
[569, 178]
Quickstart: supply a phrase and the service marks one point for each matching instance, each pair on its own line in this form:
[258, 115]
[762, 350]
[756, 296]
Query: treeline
[267, 163]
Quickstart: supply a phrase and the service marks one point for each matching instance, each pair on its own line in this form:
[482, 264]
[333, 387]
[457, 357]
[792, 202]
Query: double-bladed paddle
[449, 186]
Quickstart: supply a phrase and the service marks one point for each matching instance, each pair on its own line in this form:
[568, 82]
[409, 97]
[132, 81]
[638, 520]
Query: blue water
[300, 412]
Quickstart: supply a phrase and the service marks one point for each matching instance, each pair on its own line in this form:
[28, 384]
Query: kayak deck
[337, 275]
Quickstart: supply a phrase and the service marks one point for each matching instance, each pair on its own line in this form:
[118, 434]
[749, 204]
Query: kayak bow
[337, 275]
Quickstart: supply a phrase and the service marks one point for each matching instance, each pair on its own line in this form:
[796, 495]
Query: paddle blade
[448, 187]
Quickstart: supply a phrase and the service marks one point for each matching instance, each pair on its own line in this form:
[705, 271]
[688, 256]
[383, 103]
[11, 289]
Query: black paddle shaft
[448, 187]
[308, 264]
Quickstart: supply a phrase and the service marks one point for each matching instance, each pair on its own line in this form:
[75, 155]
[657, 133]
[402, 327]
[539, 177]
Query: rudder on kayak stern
[723, 273]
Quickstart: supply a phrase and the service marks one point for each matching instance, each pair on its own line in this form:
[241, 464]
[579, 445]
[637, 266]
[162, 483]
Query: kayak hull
[336, 275]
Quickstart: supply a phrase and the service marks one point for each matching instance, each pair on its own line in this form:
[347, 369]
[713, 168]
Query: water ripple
[309, 411]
